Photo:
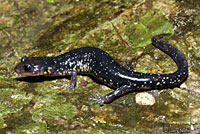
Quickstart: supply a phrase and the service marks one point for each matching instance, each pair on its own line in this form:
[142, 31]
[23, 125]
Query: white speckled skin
[96, 62]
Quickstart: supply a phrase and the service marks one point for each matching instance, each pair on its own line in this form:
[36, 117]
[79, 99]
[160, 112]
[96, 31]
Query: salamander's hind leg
[100, 100]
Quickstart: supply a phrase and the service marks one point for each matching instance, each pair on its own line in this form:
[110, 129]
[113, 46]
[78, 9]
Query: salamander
[96, 62]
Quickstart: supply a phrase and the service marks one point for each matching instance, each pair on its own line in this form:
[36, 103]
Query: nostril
[17, 70]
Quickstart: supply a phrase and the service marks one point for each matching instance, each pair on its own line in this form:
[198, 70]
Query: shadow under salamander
[36, 79]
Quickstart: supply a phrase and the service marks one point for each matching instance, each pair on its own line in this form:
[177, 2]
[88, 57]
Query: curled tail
[181, 74]
[136, 81]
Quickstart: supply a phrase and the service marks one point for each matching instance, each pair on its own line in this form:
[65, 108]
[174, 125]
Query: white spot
[158, 83]
[164, 82]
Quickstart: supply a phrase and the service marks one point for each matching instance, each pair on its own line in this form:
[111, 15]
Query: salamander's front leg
[100, 100]
[73, 75]
[73, 80]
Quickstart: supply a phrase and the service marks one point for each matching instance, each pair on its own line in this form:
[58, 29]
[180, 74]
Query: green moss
[2, 124]
[12, 100]
[95, 131]
[7, 77]
[16, 22]
[68, 39]
[52, 106]
[50, 1]
[149, 24]
[197, 48]
[2, 27]
[141, 36]
[34, 128]
[197, 20]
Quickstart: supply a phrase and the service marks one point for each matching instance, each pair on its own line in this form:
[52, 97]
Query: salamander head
[30, 66]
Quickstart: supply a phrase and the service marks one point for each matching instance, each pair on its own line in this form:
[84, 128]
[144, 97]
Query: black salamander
[96, 62]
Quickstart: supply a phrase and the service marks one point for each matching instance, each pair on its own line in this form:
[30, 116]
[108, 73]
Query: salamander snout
[24, 69]
[17, 70]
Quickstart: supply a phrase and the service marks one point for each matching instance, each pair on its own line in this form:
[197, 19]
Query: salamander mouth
[19, 69]
[20, 72]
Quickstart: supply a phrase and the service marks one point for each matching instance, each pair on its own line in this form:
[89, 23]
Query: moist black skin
[98, 63]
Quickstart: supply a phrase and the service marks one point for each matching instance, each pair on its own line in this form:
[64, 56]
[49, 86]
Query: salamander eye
[24, 58]
[27, 67]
